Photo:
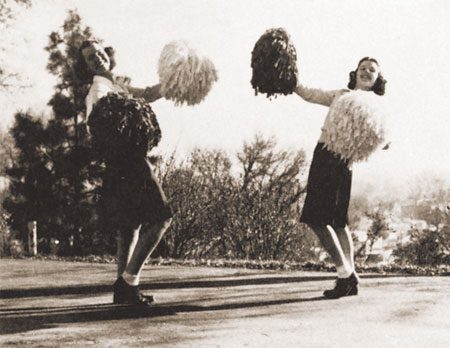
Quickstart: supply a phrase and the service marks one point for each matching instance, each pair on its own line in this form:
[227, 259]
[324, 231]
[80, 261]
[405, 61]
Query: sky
[408, 38]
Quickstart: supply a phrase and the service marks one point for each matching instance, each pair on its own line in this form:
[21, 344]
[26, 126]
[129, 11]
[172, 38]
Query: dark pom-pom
[123, 127]
[274, 63]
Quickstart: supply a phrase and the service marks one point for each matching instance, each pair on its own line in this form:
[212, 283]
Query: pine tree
[31, 177]
[61, 169]
[71, 160]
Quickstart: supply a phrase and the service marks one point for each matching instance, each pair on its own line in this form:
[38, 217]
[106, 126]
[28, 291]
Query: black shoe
[344, 287]
[128, 294]
[354, 281]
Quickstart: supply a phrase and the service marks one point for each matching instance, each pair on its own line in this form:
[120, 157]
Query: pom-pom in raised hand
[355, 126]
[184, 74]
[274, 63]
[123, 127]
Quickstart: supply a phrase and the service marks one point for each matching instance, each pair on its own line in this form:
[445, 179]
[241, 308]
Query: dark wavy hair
[379, 87]
[81, 69]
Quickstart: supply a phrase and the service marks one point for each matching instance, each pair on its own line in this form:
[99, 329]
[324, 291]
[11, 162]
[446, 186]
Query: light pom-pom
[355, 125]
[274, 63]
[184, 74]
[123, 127]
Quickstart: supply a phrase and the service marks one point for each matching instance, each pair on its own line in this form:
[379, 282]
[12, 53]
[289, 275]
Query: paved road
[63, 304]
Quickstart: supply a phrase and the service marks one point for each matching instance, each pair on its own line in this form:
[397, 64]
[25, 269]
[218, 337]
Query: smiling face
[366, 75]
[97, 60]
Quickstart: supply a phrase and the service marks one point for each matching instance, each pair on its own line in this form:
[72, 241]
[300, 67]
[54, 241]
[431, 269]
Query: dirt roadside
[68, 304]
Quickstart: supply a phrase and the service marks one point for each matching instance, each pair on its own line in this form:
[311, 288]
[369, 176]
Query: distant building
[383, 247]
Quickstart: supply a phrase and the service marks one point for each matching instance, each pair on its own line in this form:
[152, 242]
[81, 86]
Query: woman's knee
[158, 229]
[163, 225]
[318, 229]
[166, 223]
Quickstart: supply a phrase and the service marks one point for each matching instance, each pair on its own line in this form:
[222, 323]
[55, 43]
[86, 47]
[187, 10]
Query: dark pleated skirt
[132, 195]
[328, 190]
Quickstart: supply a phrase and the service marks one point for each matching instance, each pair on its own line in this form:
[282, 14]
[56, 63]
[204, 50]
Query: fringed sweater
[354, 125]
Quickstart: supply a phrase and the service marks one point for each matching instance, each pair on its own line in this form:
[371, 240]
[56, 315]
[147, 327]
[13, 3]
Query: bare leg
[149, 238]
[330, 242]
[134, 244]
[126, 242]
[346, 241]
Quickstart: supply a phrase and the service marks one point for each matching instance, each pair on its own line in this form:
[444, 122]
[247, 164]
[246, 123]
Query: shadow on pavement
[18, 320]
[101, 288]
[95, 289]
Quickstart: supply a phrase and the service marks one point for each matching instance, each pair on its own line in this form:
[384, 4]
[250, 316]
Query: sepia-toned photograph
[224, 173]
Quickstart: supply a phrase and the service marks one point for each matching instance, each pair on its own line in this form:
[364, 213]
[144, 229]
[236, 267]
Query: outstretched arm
[150, 94]
[318, 96]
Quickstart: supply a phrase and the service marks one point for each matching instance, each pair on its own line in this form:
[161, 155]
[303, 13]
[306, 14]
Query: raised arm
[318, 96]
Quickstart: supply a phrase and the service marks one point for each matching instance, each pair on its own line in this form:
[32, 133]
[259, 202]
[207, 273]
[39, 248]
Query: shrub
[249, 215]
[427, 247]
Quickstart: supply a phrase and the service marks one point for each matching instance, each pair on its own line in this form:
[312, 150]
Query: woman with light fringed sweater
[353, 129]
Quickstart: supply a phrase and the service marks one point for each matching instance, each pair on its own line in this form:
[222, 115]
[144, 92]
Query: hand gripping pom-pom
[123, 126]
[274, 64]
[356, 126]
[184, 74]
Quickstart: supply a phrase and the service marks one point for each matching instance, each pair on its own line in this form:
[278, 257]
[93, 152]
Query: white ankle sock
[344, 271]
[131, 279]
